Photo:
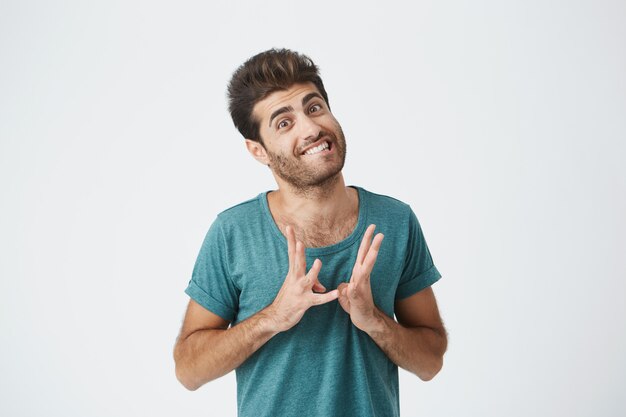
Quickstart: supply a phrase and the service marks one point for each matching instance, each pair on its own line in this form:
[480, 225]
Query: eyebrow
[286, 109]
[279, 112]
[309, 96]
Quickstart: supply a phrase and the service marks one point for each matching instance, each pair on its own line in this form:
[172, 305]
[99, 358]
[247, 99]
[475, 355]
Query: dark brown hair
[261, 75]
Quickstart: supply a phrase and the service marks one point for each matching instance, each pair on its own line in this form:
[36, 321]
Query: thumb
[343, 299]
[342, 289]
[351, 292]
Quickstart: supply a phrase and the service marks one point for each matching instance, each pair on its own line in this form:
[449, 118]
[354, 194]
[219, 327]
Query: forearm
[208, 354]
[417, 349]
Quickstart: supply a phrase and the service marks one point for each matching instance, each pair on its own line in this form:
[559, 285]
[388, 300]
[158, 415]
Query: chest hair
[321, 233]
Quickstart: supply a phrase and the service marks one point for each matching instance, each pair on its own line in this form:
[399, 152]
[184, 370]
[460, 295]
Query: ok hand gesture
[356, 296]
[296, 295]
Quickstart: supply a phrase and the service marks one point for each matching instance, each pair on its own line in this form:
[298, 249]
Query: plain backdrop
[502, 123]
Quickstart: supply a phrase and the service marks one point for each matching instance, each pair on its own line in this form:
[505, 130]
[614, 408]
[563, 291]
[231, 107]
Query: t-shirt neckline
[324, 250]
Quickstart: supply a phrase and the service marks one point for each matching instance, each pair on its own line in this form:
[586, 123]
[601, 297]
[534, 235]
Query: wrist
[376, 324]
[267, 321]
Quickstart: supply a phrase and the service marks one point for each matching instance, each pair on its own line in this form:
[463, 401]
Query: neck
[318, 204]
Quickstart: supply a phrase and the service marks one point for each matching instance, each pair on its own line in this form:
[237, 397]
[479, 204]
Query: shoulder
[244, 221]
[241, 212]
[385, 205]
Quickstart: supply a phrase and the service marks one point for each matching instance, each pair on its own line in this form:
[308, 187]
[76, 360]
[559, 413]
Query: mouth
[323, 146]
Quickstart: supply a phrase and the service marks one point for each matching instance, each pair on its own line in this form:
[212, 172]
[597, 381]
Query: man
[293, 289]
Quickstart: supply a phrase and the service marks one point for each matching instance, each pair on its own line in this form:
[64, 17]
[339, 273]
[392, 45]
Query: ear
[257, 150]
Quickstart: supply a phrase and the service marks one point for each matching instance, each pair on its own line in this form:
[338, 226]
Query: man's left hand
[356, 296]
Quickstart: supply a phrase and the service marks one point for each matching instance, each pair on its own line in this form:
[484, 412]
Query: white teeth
[317, 149]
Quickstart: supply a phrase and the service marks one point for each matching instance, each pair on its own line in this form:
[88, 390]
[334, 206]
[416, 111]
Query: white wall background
[501, 122]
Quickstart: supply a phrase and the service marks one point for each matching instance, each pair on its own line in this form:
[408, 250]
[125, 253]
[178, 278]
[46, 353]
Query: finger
[365, 244]
[343, 290]
[343, 297]
[372, 254]
[351, 291]
[324, 298]
[291, 247]
[300, 260]
[312, 276]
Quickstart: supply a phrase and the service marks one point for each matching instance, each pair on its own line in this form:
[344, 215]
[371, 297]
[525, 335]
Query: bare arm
[418, 340]
[207, 348]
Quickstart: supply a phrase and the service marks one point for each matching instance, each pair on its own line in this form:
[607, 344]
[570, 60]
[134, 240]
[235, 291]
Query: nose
[308, 129]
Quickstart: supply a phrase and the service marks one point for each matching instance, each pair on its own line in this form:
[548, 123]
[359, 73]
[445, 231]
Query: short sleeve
[210, 284]
[419, 270]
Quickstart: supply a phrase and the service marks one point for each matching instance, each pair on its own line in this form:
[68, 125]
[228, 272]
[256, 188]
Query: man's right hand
[296, 295]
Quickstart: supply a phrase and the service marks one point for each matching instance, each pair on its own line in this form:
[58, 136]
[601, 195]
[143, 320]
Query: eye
[282, 124]
[314, 108]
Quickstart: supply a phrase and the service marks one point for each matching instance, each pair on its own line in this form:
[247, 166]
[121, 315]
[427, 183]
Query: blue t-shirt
[323, 366]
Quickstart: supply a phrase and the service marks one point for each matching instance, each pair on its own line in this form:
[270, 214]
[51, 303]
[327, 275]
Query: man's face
[304, 143]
